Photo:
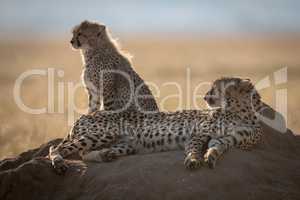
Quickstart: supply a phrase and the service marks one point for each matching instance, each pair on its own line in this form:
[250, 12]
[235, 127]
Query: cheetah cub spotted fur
[108, 73]
[204, 134]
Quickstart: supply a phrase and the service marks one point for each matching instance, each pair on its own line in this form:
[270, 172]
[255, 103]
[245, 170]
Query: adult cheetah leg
[216, 147]
[243, 138]
[85, 143]
[194, 151]
[108, 154]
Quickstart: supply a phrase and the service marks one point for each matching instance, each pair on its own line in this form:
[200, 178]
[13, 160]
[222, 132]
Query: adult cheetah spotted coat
[204, 134]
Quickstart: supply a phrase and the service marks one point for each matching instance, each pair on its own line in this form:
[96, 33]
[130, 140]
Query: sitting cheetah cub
[108, 74]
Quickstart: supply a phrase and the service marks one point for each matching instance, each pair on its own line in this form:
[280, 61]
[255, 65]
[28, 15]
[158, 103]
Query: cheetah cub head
[233, 93]
[87, 35]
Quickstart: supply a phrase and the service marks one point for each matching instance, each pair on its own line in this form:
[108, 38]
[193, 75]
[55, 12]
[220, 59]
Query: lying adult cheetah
[108, 74]
[205, 134]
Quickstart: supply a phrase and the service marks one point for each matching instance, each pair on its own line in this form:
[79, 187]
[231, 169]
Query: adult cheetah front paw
[211, 157]
[60, 166]
[192, 161]
[107, 155]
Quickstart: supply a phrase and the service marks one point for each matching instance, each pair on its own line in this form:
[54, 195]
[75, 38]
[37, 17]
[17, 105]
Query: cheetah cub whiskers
[108, 73]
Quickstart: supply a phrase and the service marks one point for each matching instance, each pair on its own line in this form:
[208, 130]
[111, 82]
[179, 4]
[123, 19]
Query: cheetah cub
[108, 74]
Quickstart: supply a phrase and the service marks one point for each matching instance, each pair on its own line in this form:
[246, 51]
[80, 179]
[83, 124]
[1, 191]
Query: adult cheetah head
[87, 34]
[233, 93]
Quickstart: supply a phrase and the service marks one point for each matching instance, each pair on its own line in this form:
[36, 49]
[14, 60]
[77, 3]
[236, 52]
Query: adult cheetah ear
[245, 81]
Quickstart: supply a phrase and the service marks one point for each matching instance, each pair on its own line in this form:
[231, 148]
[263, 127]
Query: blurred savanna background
[173, 43]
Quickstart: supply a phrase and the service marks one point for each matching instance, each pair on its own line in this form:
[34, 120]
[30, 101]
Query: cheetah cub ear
[101, 29]
[85, 24]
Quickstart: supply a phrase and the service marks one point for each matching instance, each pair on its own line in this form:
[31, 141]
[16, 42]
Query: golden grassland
[158, 60]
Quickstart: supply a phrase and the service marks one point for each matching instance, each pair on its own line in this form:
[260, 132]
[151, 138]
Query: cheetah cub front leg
[94, 101]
